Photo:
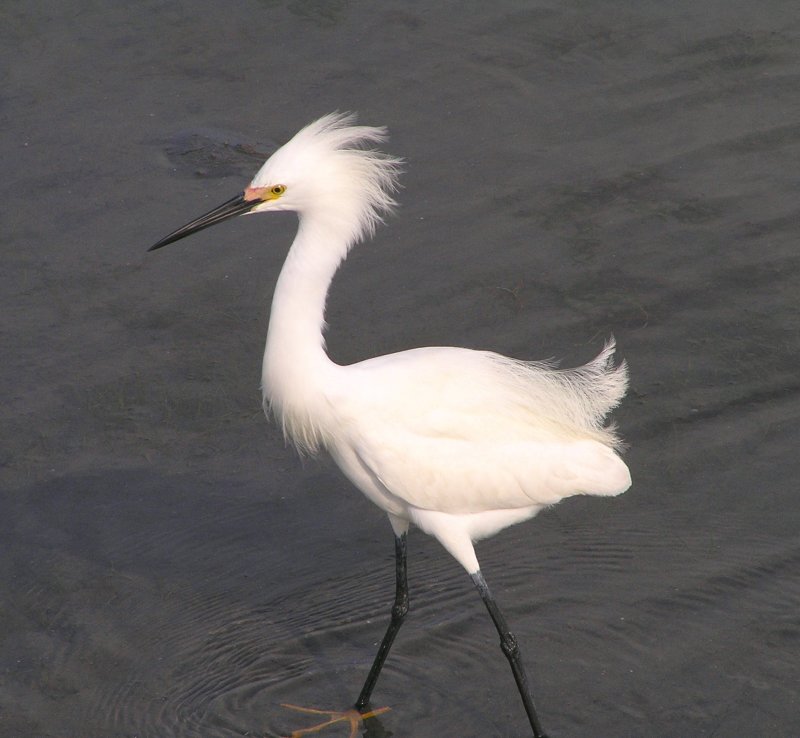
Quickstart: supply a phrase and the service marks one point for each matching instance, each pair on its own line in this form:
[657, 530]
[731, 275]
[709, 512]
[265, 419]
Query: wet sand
[573, 170]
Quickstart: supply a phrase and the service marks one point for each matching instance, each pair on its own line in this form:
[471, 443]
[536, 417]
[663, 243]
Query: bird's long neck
[296, 366]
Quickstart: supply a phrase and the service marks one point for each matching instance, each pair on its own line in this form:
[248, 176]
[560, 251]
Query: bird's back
[483, 395]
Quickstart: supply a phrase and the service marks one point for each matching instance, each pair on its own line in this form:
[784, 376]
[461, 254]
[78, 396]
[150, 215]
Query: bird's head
[323, 172]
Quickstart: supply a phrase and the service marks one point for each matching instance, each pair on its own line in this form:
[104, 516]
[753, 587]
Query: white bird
[461, 443]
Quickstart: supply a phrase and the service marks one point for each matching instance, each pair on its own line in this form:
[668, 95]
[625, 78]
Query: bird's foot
[353, 717]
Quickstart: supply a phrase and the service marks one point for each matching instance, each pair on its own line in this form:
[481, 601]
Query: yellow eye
[277, 190]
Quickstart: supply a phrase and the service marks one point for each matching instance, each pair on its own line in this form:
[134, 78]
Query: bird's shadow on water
[374, 728]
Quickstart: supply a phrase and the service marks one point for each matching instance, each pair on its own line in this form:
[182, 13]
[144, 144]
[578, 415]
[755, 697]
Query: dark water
[574, 169]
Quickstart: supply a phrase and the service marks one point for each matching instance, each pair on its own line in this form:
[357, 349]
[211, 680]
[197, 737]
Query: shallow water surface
[573, 170]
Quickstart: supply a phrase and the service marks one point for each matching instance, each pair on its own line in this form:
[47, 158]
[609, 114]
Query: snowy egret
[461, 443]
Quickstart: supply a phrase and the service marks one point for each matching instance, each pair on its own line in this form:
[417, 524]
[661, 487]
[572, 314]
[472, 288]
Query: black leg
[508, 643]
[399, 611]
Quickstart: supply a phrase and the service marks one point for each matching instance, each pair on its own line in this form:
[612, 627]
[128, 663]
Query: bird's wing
[438, 431]
[462, 476]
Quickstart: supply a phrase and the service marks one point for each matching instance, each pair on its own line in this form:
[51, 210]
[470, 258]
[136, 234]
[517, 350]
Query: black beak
[235, 206]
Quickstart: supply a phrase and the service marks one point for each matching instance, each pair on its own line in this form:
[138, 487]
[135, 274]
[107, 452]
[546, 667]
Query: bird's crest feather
[359, 181]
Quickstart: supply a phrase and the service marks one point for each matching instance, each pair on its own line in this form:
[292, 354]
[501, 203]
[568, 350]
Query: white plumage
[483, 439]
[461, 443]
